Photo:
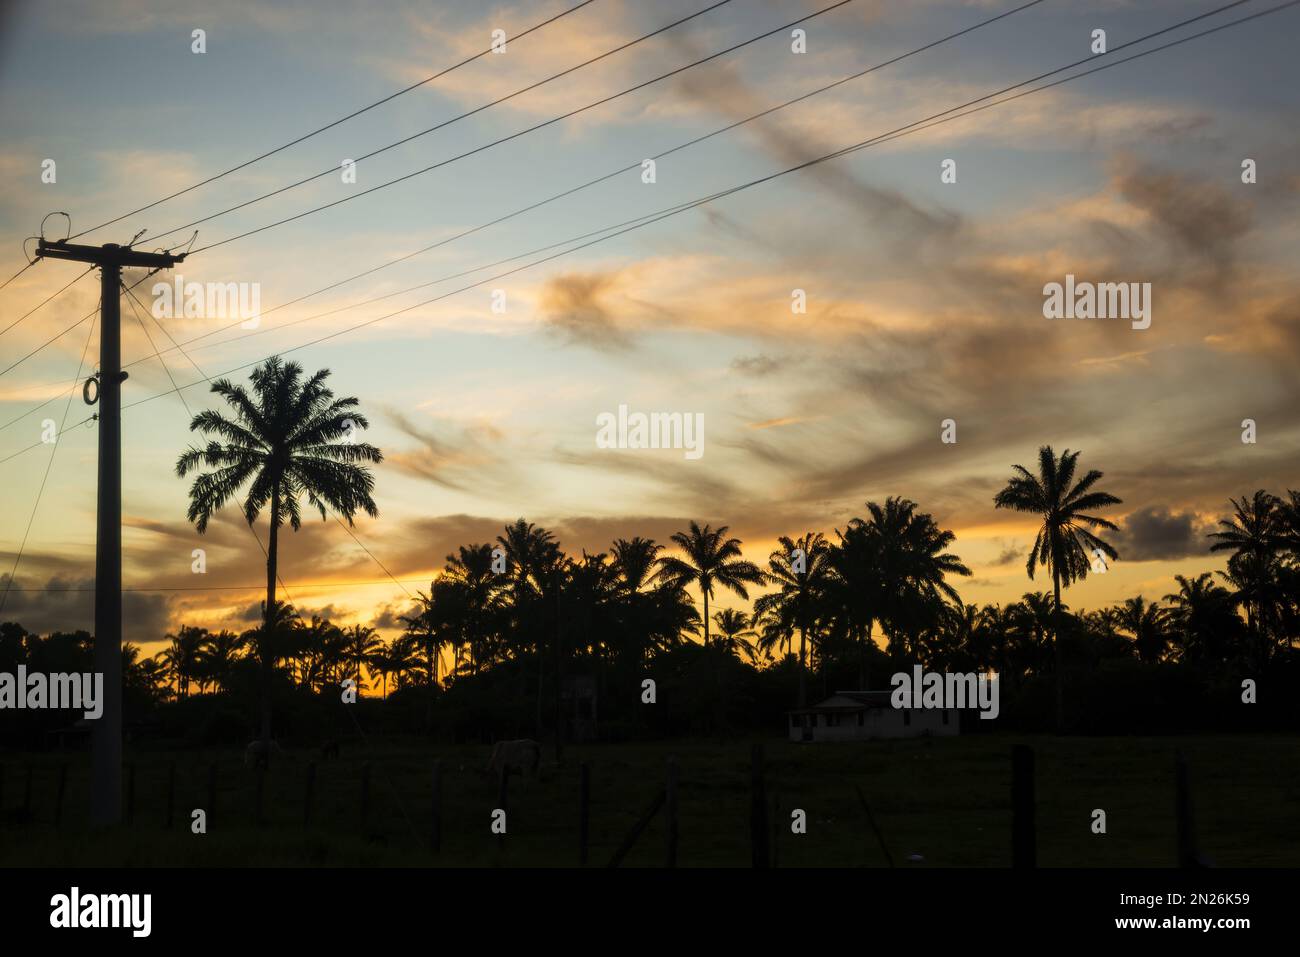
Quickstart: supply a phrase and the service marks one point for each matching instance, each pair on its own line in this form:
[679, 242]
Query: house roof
[848, 701]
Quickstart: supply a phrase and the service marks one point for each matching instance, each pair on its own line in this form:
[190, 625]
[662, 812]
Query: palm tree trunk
[705, 591]
[269, 624]
[1056, 643]
[803, 670]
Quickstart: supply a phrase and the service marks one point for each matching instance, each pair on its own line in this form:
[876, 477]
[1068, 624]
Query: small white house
[861, 715]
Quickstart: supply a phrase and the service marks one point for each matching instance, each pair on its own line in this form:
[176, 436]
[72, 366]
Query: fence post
[1187, 856]
[307, 794]
[1024, 851]
[435, 818]
[171, 792]
[758, 810]
[212, 793]
[365, 795]
[259, 793]
[776, 829]
[584, 810]
[63, 787]
[670, 811]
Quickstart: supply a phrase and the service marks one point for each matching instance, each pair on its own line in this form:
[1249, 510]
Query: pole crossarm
[109, 254]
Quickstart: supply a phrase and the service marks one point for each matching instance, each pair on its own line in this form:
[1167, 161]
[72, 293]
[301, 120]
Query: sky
[924, 298]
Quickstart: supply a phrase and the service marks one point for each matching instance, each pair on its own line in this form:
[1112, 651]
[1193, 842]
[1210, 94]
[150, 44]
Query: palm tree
[1254, 535]
[734, 633]
[710, 560]
[1204, 620]
[801, 584]
[1148, 625]
[290, 439]
[362, 642]
[217, 657]
[183, 657]
[380, 663]
[1065, 544]
[906, 554]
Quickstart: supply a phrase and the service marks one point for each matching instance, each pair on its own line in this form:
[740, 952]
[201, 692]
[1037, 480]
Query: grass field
[938, 803]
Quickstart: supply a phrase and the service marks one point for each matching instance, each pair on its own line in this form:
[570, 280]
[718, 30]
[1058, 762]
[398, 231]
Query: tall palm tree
[362, 643]
[1255, 535]
[801, 584]
[711, 560]
[380, 662]
[290, 439]
[908, 558]
[1065, 544]
[184, 655]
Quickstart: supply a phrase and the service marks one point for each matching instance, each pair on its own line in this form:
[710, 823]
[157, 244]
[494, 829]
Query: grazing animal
[330, 749]
[257, 755]
[523, 755]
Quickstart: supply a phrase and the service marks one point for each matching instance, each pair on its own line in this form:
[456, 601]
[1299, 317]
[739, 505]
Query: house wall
[878, 723]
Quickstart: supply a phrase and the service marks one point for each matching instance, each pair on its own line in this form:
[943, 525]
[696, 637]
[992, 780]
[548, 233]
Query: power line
[329, 126]
[261, 586]
[455, 119]
[524, 132]
[40, 492]
[691, 204]
[573, 190]
[926, 123]
[18, 273]
[51, 341]
[47, 299]
[136, 302]
[479, 149]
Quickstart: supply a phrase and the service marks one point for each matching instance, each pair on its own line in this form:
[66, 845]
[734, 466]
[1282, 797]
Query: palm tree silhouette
[710, 560]
[734, 633]
[1148, 624]
[1065, 544]
[800, 570]
[362, 644]
[290, 439]
[1254, 535]
[183, 657]
[908, 558]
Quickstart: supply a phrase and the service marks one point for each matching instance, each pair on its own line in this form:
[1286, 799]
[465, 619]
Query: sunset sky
[924, 298]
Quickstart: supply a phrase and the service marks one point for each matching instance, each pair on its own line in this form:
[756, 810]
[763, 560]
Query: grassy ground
[937, 802]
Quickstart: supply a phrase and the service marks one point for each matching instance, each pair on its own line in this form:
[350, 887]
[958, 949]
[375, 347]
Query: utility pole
[106, 734]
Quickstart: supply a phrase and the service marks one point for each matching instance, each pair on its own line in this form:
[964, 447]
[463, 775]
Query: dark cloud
[759, 365]
[1008, 556]
[1202, 219]
[1156, 533]
[454, 456]
[572, 307]
[65, 603]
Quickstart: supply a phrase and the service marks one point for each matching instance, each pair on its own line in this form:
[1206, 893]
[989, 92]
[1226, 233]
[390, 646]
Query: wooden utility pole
[106, 735]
